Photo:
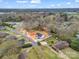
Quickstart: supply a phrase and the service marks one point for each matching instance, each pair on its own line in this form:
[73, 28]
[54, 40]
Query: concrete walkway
[62, 55]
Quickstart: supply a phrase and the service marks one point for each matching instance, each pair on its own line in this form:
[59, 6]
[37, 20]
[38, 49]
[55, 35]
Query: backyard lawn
[71, 53]
[41, 52]
[51, 40]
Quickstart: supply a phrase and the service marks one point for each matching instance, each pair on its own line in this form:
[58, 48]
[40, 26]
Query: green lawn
[71, 53]
[41, 52]
[5, 49]
[51, 40]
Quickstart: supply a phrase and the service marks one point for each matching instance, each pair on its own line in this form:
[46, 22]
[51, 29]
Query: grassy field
[71, 53]
[41, 52]
[7, 50]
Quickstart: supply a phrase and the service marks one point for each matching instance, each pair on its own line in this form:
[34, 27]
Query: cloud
[21, 1]
[68, 3]
[55, 5]
[35, 1]
[58, 5]
[76, 0]
[52, 5]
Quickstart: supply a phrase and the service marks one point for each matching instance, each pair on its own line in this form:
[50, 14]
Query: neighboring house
[11, 37]
[1, 19]
[2, 27]
[61, 44]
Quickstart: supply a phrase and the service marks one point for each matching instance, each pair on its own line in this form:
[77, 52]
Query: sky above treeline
[39, 4]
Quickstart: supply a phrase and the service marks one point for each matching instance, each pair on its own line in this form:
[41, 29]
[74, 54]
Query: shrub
[27, 45]
[75, 44]
[38, 43]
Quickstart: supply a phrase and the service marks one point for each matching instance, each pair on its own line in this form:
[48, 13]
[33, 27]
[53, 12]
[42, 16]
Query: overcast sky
[39, 3]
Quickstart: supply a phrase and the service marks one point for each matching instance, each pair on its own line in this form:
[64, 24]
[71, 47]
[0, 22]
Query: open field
[41, 52]
[71, 53]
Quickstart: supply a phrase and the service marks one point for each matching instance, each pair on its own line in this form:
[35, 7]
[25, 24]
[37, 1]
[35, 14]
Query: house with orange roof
[34, 35]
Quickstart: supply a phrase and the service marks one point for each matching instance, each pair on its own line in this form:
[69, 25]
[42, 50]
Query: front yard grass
[71, 53]
[41, 52]
[51, 41]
